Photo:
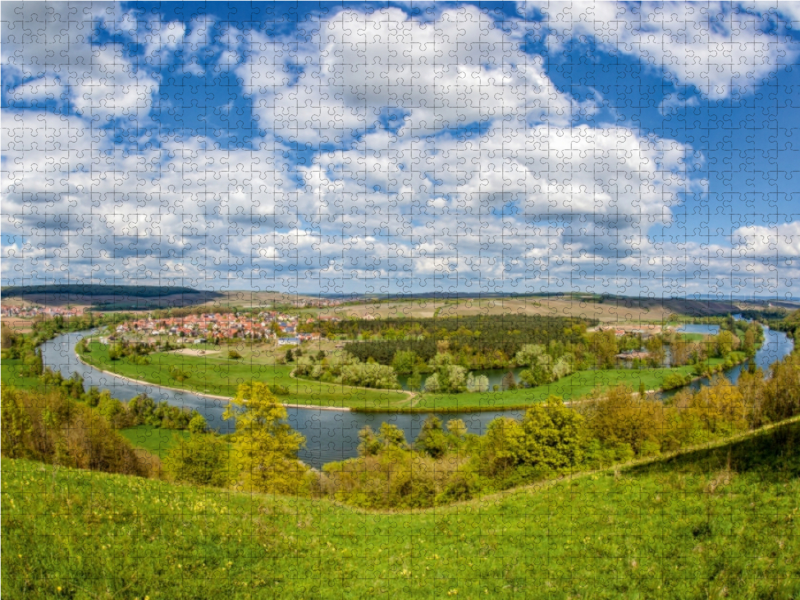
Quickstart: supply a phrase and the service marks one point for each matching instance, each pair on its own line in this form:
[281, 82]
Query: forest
[86, 289]
[477, 342]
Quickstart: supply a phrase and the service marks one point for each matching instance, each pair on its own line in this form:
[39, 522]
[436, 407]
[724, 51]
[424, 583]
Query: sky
[403, 147]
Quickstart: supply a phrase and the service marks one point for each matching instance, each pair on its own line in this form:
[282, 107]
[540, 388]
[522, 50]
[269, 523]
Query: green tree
[8, 336]
[529, 355]
[197, 424]
[624, 418]
[201, 460]
[265, 447]
[477, 384]
[457, 427]
[414, 382]
[391, 436]
[509, 382]
[749, 345]
[655, 349]
[604, 346]
[404, 361]
[502, 447]
[553, 435]
[369, 444]
[724, 343]
[432, 439]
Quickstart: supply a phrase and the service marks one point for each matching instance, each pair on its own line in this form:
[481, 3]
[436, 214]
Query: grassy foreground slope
[719, 522]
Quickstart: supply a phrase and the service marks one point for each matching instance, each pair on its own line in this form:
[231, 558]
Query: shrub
[202, 460]
[432, 439]
[672, 381]
[52, 428]
[624, 418]
[197, 424]
[553, 436]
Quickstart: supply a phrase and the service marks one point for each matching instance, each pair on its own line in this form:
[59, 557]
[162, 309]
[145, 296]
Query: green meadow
[218, 375]
[153, 439]
[716, 522]
[12, 375]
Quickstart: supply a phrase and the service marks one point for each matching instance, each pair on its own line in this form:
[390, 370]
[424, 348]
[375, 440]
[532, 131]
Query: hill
[607, 309]
[144, 297]
[108, 297]
[715, 522]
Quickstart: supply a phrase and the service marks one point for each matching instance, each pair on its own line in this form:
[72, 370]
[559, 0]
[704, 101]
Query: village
[215, 327]
[28, 312]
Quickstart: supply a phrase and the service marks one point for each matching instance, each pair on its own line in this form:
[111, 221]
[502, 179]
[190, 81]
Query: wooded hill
[110, 297]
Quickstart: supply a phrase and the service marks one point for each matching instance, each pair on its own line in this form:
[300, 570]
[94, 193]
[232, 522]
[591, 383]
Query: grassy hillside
[153, 439]
[718, 522]
[607, 310]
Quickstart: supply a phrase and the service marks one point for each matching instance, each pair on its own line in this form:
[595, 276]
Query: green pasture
[720, 522]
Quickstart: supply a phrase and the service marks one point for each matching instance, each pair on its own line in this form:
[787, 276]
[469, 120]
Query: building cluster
[645, 331]
[316, 303]
[215, 326]
[34, 311]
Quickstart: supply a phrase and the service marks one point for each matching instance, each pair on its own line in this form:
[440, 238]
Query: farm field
[618, 311]
[726, 518]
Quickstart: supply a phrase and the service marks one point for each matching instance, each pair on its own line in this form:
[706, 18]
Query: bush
[673, 381]
[197, 424]
[553, 436]
[624, 418]
[54, 429]
[432, 439]
[201, 460]
[393, 478]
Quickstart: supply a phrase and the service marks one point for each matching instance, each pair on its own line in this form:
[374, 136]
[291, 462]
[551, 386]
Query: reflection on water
[330, 435]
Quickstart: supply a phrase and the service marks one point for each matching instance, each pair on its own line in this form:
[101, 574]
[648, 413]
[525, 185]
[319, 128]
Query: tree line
[482, 341]
[446, 463]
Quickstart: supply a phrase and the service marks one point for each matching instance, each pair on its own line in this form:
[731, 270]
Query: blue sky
[403, 147]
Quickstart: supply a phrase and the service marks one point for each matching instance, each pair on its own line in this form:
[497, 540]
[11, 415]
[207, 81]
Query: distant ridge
[110, 297]
[95, 289]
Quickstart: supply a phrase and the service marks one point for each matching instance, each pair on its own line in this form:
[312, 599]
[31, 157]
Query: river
[331, 435]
